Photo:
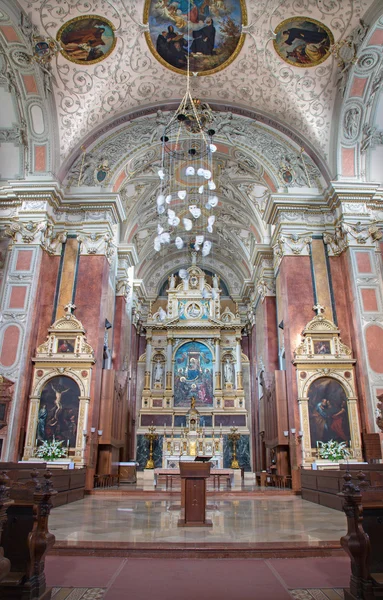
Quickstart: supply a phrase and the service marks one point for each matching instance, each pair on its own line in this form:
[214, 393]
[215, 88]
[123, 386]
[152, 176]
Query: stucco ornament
[131, 76]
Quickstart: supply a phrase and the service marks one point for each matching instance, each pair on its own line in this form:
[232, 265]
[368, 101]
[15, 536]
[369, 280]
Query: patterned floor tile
[318, 594]
[78, 593]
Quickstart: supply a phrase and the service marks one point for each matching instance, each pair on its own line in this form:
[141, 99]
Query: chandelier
[187, 197]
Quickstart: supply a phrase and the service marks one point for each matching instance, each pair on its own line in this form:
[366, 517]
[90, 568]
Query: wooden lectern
[193, 479]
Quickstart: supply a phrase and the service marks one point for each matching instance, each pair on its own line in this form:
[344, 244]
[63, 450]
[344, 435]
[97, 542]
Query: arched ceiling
[301, 98]
[265, 113]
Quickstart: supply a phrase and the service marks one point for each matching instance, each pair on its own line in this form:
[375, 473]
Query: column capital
[291, 244]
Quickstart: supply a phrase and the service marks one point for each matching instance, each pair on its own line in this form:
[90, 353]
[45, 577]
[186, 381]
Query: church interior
[191, 299]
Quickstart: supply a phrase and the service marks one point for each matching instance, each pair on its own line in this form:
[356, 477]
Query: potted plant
[51, 451]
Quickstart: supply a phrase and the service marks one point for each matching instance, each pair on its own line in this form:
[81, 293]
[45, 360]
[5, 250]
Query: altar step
[158, 494]
[198, 550]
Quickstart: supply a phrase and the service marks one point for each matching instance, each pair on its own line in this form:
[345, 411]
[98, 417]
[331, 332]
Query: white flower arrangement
[333, 450]
[50, 450]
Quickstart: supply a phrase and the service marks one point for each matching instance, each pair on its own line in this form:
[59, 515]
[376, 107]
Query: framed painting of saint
[207, 33]
[65, 345]
[328, 412]
[58, 411]
[322, 347]
[303, 42]
[193, 375]
[87, 39]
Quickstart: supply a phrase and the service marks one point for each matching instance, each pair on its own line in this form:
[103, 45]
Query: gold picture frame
[226, 63]
[88, 42]
[315, 46]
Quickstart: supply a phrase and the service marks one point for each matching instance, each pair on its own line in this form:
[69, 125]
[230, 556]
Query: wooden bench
[363, 506]
[26, 539]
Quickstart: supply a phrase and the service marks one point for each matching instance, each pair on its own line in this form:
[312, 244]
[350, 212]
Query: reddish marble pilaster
[40, 320]
[297, 300]
[91, 301]
[345, 302]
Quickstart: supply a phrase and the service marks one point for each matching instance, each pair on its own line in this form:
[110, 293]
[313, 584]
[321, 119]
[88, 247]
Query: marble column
[148, 363]
[238, 352]
[169, 355]
[217, 365]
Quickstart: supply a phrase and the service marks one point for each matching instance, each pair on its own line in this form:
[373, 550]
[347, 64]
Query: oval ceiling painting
[303, 42]
[87, 39]
[208, 32]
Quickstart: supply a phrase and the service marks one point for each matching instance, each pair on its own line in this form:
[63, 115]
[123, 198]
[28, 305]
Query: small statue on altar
[172, 282]
[215, 281]
[158, 372]
[228, 371]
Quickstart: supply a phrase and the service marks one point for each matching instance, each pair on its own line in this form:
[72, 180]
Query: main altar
[193, 375]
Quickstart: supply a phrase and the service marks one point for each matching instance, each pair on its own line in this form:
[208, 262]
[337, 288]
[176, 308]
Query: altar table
[215, 474]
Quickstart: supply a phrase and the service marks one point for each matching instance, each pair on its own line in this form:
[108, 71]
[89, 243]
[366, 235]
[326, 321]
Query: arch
[347, 385]
[146, 118]
[66, 373]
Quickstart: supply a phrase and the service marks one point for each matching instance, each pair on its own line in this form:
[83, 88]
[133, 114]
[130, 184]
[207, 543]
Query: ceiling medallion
[208, 32]
[303, 42]
[87, 40]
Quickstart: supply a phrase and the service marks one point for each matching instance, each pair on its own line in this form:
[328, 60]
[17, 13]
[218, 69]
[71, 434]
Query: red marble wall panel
[10, 345]
[91, 299]
[297, 299]
[348, 162]
[17, 297]
[46, 294]
[9, 33]
[40, 158]
[24, 260]
[363, 262]
[119, 181]
[377, 38]
[30, 84]
[271, 335]
[342, 301]
[269, 182]
[374, 338]
[369, 299]
[358, 85]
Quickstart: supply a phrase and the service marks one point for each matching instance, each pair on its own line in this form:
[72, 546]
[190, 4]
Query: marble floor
[283, 519]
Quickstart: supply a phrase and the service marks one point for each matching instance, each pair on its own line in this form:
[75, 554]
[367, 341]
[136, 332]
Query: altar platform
[259, 524]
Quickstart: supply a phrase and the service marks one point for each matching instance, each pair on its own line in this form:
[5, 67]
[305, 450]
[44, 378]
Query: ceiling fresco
[97, 89]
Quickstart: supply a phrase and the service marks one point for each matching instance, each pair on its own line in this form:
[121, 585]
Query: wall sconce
[92, 429]
[297, 437]
[99, 432]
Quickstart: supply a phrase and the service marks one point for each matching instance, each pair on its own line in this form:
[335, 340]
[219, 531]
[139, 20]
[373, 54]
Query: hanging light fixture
[185, 201]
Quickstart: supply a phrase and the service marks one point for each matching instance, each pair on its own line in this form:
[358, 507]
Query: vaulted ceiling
[265, 111]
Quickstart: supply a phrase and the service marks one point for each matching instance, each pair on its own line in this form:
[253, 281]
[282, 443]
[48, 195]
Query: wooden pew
[5, 502]
[363, 506]
[26, 539]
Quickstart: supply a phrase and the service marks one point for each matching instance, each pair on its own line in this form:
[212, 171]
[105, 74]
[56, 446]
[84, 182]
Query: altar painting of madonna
[193, 375]
[58, 411]
[206, 31]
[328, 412]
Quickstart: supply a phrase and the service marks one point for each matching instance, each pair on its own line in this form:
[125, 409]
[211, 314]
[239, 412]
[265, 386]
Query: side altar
[193, 379]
